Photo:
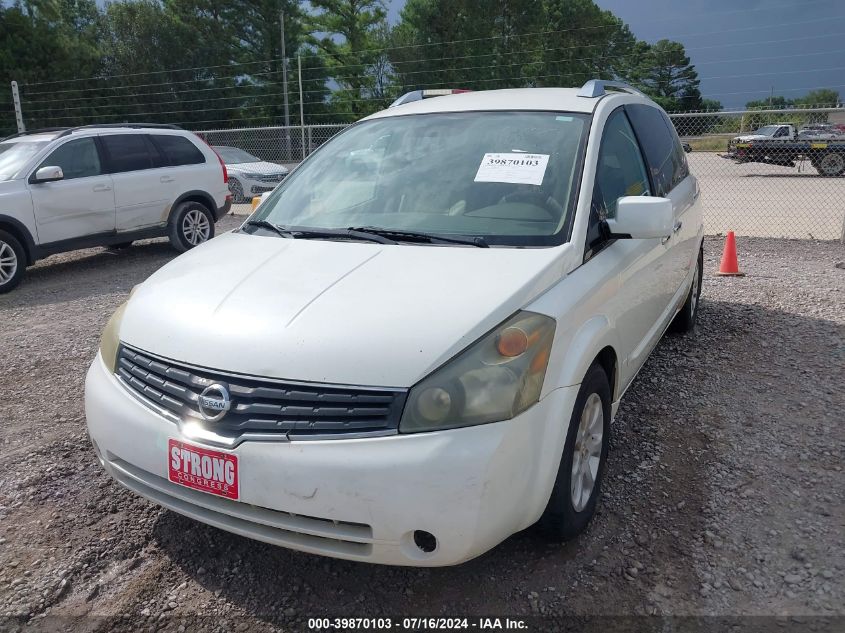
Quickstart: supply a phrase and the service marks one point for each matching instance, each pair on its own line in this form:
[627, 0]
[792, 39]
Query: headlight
[110, 340]
[496, 378]
[252, 176]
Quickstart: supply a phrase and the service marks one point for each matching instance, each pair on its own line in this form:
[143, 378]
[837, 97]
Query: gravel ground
[725, 492]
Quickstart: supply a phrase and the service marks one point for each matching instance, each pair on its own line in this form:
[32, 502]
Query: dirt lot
[725, 491]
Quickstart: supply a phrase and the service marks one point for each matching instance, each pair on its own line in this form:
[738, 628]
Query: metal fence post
[310, 143]
[16, 98]
[301, 104]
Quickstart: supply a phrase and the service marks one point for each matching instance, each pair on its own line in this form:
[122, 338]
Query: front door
[642, 268]
[80, 204]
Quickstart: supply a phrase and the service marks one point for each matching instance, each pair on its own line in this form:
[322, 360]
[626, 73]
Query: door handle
[167, 179]
[677, 226]
[102, 188]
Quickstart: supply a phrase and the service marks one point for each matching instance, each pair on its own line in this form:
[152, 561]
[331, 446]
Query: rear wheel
[12, 262]
[684, 321]
[191, 225]
[578, 483]
[830, 164]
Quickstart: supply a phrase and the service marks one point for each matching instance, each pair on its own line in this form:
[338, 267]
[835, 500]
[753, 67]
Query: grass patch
[709, 144]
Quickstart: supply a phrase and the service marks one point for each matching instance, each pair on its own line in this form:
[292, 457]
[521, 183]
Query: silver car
[249, 175]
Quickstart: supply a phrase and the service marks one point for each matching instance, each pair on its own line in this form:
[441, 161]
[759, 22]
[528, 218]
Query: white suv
[61, 190]
[407, 358]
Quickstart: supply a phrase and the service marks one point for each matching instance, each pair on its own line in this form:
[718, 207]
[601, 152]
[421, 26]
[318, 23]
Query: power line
[403, 75]
[463, 41]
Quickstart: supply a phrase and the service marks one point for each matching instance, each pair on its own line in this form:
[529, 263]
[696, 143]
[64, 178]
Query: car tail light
[222, 164]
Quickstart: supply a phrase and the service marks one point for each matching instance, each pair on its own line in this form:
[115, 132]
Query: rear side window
[78, 159]
[663, 151]
[130, 152]
[177, 150]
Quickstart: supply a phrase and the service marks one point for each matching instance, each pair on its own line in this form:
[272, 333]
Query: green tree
[345, 32]
[774, 102]
[585, 42]
[822, 97]
[41, 45]
[665, 73]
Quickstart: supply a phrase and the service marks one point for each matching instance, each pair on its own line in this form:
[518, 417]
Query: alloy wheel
[195, 227]
[586, 457]
[8, 262]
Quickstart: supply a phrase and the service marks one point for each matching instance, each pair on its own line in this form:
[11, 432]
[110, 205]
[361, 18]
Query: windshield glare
[768, 130]
[506, 176]
[233, 155]
[14, 155]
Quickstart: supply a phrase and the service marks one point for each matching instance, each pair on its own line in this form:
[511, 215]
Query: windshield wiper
[284, 231]
[415, 236]
[264, 224]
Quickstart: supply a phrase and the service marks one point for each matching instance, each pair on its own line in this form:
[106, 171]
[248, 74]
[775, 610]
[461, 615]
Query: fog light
[425, 541]
[434, 404]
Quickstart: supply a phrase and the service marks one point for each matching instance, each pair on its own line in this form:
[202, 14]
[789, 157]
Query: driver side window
[77, 158]
[620, 172]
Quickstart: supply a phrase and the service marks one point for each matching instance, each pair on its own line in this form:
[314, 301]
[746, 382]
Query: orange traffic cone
[729, 265]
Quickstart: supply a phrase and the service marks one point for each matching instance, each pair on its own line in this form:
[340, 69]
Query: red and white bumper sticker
[202, 469]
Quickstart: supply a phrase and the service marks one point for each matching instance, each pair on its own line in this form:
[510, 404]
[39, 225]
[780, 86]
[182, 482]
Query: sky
[744, 49]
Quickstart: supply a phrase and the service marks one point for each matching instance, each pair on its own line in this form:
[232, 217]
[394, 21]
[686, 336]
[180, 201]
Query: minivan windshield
[506, 177]
[235, 156]
[15, 154]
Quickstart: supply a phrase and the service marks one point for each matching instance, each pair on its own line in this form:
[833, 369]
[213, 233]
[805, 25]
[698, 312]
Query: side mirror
[642, 218]
[687, 147]
[48, 174]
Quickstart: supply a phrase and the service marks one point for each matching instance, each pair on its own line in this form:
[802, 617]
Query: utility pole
[284, 68]
[285, 85]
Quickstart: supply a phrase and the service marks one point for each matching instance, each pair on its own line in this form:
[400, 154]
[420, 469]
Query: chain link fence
[766, 173]
[769, 173]
[277, 144]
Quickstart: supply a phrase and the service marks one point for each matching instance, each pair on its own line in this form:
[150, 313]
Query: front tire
[684, 321]
[237, 190]
[191, 225]
[578, 483]
[12, 262]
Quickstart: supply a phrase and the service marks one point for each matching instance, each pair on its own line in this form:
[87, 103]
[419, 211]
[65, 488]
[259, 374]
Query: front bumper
[358, 499]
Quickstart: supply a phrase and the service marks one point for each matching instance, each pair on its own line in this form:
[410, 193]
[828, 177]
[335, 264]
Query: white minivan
[409, 353]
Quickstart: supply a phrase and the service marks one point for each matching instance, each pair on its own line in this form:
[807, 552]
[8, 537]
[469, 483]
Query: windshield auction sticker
[517, 168]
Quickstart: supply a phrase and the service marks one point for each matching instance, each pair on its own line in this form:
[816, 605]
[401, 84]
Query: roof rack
[596, 88]
[419, 95]
[42, 130]
[134, 126]
[65, 131]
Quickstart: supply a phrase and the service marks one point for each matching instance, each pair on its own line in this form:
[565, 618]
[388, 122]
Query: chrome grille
[260, 405]
[271, 177]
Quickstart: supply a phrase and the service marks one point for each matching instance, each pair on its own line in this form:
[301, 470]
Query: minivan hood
[350, 313]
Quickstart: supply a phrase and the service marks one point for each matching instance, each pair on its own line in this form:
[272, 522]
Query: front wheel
[12, 262]
[578, 483]
[191, 225]
[684, 321]
[237, 190]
